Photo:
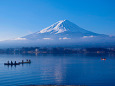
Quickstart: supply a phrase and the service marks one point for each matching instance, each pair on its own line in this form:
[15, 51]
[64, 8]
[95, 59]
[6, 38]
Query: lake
[58, 69]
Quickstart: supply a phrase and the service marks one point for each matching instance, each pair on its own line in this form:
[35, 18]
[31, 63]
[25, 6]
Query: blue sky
[21, 17]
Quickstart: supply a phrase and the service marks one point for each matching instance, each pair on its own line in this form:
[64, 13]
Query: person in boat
[29, 60]
[8, 62]
[104, 58]
[11, 63]
[15, 63]
[22, 61]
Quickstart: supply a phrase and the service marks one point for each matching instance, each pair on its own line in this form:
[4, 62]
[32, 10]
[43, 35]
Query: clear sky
[21, 17]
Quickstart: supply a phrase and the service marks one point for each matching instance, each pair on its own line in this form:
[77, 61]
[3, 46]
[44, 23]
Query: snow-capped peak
[55, 28]
[62, 26]
[61, 29]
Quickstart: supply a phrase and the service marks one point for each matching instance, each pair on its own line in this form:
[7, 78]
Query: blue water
[69, 69]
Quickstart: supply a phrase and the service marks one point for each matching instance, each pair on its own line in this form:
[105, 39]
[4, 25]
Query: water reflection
[64, 69]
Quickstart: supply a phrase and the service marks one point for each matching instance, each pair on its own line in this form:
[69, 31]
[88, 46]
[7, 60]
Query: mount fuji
[63, 29]
[64, 33]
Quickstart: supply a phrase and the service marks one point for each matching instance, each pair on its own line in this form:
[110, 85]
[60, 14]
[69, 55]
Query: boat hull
[17, 63]
[11, 64]
[24, 62]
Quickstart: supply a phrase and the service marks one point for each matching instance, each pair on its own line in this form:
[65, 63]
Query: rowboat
[11, 64]
[103, 58]
[17, 63]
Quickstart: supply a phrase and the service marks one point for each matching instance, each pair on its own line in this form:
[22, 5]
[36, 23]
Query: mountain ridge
[63, 33]
[63, 27]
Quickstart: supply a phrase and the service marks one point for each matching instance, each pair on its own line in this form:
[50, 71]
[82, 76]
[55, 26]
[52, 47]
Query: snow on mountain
[63, 26]
[55, 28]
[63, 29]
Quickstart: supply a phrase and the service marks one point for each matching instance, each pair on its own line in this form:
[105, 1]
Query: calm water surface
[66, 69]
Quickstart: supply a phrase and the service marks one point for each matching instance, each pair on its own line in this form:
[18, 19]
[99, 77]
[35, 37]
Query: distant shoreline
[57, 50]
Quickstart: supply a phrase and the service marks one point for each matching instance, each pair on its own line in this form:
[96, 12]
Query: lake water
[68, 69]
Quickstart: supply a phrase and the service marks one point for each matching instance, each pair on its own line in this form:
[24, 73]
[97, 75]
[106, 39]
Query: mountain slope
[63, 28]
[63, 33]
